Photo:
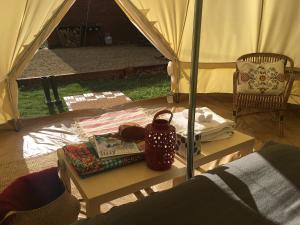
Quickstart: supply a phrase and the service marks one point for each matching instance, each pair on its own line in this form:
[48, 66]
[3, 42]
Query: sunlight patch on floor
[48, 140]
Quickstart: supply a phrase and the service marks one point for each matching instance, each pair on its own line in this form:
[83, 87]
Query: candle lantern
[160, 142]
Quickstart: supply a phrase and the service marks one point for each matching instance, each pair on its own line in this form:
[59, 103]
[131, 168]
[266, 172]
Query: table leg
[139, 195]
[64, 175]
[92, 208]
[246, 151]
[149, 191]
[178, 180]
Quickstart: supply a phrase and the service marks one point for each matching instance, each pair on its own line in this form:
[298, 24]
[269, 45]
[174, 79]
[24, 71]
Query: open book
[108, 145]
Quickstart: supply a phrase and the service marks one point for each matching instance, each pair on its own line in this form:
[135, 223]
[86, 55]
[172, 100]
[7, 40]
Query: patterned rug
[110, 122]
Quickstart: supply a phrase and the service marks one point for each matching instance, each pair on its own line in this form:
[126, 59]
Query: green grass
[31, 101]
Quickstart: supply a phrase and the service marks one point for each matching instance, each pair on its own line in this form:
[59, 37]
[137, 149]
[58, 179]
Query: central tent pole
[193, 87]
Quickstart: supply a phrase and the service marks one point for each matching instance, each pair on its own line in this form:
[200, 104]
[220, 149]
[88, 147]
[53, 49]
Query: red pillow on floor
[31, 191]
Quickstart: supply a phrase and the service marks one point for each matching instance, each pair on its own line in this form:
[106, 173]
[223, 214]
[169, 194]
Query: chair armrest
[289, 85]
[235, 82]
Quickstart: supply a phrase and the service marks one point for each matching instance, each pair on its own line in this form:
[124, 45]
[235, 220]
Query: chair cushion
[31, 191]
[264, 78]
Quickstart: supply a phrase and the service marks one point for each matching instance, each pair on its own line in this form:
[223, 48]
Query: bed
[261, 188]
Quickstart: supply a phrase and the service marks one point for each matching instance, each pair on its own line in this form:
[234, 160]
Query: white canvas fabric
[24, 26]
[230, 29]
[215, 129]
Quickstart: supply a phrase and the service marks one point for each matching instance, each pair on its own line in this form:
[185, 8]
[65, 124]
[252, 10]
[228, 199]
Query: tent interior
[229, 29]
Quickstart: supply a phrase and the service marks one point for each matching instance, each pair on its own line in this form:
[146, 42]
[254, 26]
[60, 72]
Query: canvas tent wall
[230, 29]
[24, 26]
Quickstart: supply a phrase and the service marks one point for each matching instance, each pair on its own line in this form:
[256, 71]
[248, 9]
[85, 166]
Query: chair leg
[235, 115]
[176, 97]
[281, 118]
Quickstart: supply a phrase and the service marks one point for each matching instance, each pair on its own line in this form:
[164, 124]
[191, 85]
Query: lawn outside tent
[32, 100]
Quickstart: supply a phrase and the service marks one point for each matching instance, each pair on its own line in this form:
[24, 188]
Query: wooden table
[116, 183]
[215, 150]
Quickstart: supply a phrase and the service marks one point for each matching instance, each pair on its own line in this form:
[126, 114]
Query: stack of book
[103, 152]
[111, 146]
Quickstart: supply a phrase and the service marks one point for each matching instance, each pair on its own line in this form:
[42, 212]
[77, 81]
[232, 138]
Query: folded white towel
[213, 136]
[217, 128]
[217, 122]
[200, 115]
[221, 134]
[181, 123]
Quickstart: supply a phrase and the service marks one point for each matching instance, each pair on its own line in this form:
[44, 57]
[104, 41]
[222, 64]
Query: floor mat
[110, 122]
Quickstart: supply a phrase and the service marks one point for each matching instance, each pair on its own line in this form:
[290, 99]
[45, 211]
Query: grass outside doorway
[32, 102]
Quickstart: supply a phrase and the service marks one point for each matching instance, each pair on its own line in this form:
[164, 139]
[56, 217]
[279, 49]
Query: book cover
[109, 145]
[85, 161]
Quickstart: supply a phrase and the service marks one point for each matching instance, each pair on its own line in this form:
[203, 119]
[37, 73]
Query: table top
[122, 181]
[217, 149]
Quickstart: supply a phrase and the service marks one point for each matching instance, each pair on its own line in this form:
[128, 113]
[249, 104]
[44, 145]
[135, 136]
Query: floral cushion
[264, 78]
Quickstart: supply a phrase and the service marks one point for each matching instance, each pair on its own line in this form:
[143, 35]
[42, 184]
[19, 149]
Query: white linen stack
[210, 125]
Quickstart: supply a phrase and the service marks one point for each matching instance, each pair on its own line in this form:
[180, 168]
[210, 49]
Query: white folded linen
[213, 136]
[201, 115]
[217, 128]
[219, 135]
[217, 123]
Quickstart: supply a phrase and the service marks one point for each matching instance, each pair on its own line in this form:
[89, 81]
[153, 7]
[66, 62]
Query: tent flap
[26, 26]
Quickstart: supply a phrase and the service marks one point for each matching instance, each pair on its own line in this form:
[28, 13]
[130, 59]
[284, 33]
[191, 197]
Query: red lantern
[160, 142]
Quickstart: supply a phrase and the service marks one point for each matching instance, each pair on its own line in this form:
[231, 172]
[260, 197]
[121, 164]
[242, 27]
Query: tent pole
[193, 87]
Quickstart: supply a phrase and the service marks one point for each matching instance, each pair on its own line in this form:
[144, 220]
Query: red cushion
[31, 191]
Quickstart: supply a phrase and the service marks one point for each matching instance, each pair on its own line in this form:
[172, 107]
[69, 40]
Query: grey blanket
[261, 188]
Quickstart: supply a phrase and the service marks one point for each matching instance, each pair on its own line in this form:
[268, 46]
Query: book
[109, 145]
[85, 161]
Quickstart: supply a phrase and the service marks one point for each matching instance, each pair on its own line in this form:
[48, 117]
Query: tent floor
[13, 163]
[260, 126]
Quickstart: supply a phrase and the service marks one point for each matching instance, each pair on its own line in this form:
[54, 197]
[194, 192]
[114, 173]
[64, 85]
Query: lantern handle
[163, 112]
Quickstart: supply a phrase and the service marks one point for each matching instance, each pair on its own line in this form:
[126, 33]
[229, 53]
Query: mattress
[261, 188]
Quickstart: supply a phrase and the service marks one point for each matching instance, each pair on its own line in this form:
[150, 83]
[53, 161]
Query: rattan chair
[245, 104]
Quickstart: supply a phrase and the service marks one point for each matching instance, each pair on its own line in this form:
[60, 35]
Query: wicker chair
[245, 104]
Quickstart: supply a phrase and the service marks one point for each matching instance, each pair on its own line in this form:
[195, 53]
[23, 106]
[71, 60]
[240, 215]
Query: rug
[96, 100]
[110, 122]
